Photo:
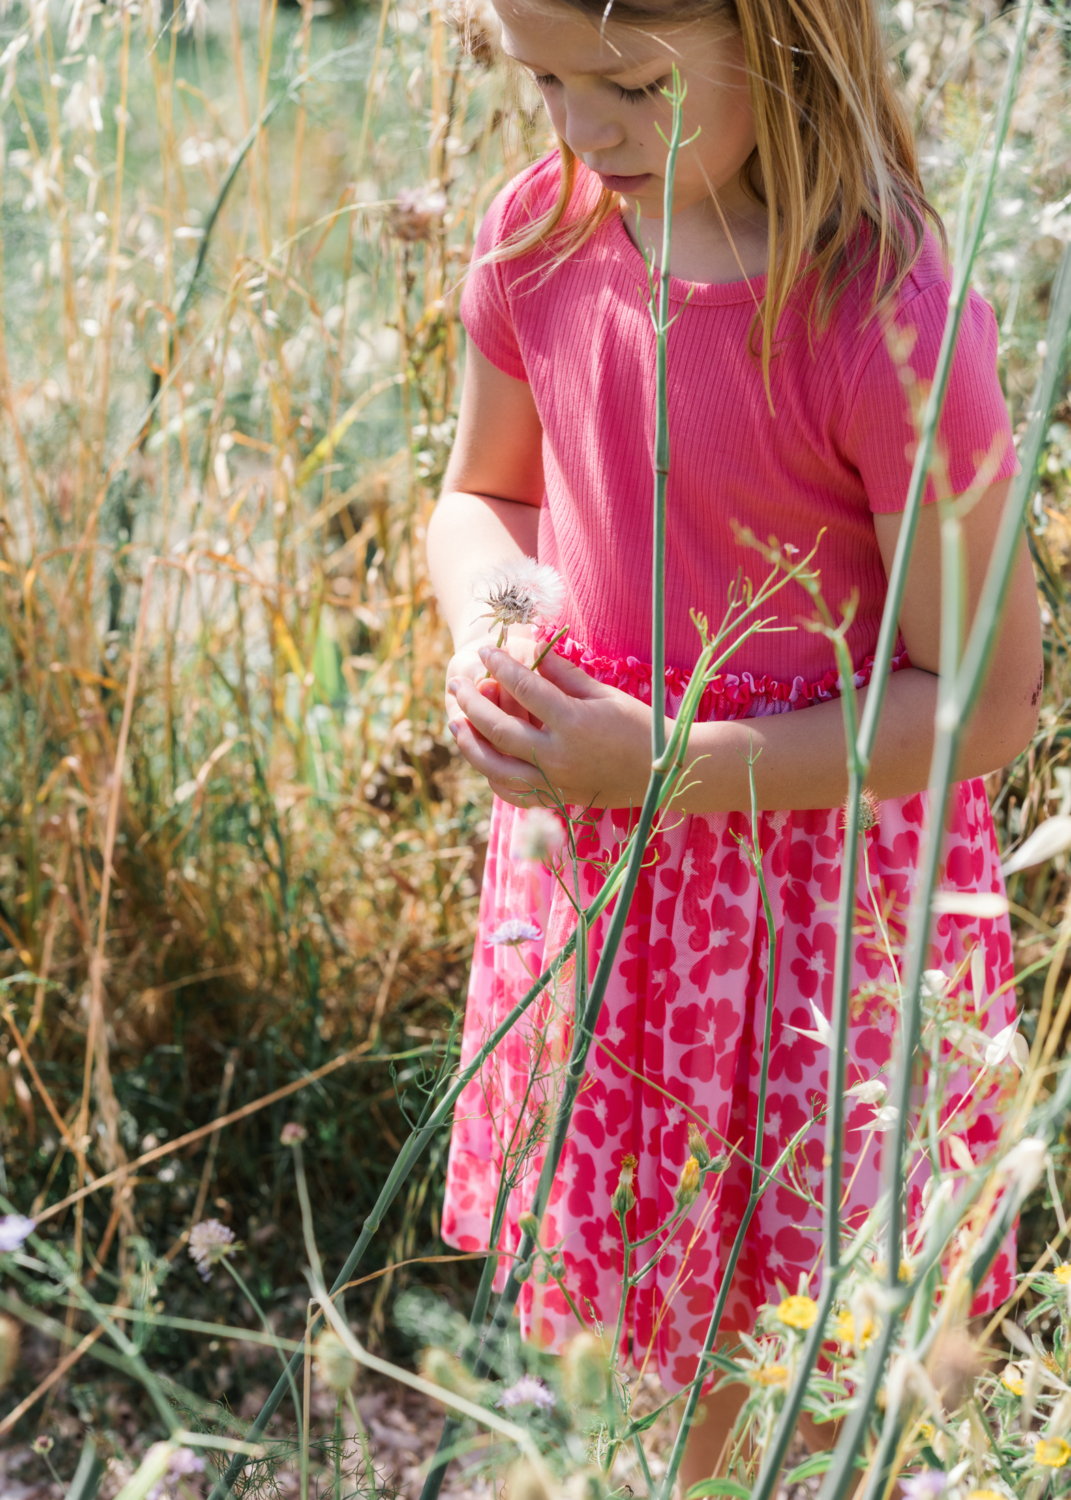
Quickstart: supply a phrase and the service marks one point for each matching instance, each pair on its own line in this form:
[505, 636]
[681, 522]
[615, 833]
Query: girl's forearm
[801, 759]
[468, 535]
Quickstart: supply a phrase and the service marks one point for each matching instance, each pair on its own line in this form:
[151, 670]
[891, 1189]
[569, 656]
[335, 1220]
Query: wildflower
[1052, 1453]
[822, 1033]
[1007, 1043]
[584, 1369]
[927, 1432]
[181, 1463]
[698, 1146]
[776, 1375]
[335, 1365]
[688, 1186]
[14, 1230]
[926, 1485]
[42, 1443]
[798, 1312]
[624, 1197]
[514, 931]
[292, 1134]
[868, 1091]
[521, 592]
[1025, 1163]
[1012, 1380]
[210, 1242]
[9, 1348]
[540, 835]
[1063, 1273]
[845, 1330]
[528, 1391]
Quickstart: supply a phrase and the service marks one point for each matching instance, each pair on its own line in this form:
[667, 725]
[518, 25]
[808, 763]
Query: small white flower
[869, 1091]
[886, 1118]
[540, 835]
[521, 592]
[210, 1242]
[822, 1033]
[14, 1230]
[1007, 1043]
[515, 930]
[934, 983]
[1025, 1163]
[528, 1391]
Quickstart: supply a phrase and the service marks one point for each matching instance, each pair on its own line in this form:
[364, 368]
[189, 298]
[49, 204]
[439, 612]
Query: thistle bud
[529, 1224]
[445, 1369]
[688, 1187]
[335, 1365]
[698, 1146]
[9, 1348]
[584, 1369]
[624, 1198]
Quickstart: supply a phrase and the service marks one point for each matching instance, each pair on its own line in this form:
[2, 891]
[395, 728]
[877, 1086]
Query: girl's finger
[535, 693]
[570, 678]
[508, 733]
[506, 771]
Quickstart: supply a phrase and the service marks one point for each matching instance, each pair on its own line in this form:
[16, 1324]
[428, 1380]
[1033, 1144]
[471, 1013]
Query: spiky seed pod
[584, 1370]
[445, 1369]
[335, 1365]
[9, 1348]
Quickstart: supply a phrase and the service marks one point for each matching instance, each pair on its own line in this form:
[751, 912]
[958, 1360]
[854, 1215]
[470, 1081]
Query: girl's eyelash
[649, 91]
[544, 80]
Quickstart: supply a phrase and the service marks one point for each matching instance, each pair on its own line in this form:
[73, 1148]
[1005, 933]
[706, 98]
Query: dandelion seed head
[540, 835]
[521, 592]
[210, 1242]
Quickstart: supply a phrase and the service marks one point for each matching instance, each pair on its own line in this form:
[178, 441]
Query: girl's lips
[625, 184]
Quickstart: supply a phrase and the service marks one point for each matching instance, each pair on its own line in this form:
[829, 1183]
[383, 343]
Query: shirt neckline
[707, 293]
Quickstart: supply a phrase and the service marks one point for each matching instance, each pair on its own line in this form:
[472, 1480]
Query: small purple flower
[14, 1229]
[925, 1485]
[183, 1462]
[527, 1392]
[513, 931]
[210, 1242]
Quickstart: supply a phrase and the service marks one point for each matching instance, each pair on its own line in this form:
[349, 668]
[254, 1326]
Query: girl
[811, 293]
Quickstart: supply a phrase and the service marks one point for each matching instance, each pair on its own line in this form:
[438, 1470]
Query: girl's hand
[466, 666]
[587, 743]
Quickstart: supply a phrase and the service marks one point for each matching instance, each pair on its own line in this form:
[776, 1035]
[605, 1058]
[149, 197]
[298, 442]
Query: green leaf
[718, 1487]
[818, 1463]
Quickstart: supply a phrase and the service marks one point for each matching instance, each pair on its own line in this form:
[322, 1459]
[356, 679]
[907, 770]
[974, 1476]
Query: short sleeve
[974, 430]
[485, 309]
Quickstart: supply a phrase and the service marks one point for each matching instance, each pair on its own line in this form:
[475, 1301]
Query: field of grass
[239, 862]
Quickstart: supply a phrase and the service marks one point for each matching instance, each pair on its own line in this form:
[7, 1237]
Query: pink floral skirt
[680, 1039]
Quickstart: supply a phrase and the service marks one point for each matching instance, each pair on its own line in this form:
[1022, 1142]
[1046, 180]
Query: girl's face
[601, 86]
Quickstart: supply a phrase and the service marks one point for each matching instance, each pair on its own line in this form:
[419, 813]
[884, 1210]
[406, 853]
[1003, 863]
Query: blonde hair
[835, 152]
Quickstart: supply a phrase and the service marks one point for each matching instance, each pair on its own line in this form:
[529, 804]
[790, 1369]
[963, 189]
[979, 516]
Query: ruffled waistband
[726, 696]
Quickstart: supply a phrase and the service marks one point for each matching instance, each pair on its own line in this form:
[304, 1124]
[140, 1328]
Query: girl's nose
[590, 128]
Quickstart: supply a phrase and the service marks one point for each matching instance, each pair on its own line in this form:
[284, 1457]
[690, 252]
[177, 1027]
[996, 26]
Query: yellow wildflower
[1063, 1273]
[845, 1330]
[688, 1187]
[1050, 1363]
[1052, 1453]
[927, 1432]
[880, 1270]
[986, 1495]
[772, 1375]
[798, 1312]
[1012, 1381]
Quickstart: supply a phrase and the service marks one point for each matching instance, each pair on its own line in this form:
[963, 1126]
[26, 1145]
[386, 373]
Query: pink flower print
[602, 1239]
[718, 933]
[705, 1030]
[813, 967]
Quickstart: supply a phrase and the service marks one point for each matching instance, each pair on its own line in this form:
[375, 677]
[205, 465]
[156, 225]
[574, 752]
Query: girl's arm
[489, 509]
[593, 742]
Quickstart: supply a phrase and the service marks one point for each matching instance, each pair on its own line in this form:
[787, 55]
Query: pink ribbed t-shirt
[837, 447]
